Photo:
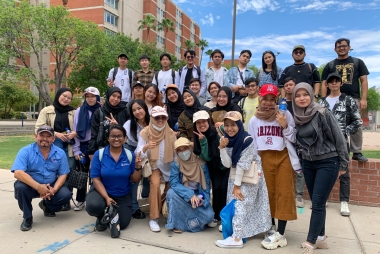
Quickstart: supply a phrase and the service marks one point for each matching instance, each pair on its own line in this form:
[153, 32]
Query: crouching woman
[188, 198]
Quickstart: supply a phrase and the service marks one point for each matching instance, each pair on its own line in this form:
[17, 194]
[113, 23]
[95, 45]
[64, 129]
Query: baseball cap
[159, 111]
[299, 47]
[91, 90]
[233, 115]
[200, 115]
[137, 83]
[333, 75]
[268, 89]
[45, 128]
[181, 142]
[171, 86]
[123, 54]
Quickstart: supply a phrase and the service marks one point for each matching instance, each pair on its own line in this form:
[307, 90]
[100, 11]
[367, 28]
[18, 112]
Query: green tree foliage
[208, 52]
[373, 100]
[30, 32]
[166, 25]
[189, 45]
[92, 67]
[149, 23]
[12, 95]
[202, 44]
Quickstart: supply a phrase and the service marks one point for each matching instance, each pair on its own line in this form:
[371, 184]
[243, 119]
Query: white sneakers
[213, 223]
[220, 228]
[229, 242]
[79, 206]
[344, 211]
[153, 224]
[274, 241]
[270, 232]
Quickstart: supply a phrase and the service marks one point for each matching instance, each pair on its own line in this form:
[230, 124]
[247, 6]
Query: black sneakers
[138, 214]
[46, 210]
[100, 226]
[26, 224]
[359, 157]
[66, 207]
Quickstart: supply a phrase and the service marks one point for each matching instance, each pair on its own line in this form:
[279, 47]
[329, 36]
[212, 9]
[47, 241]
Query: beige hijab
[264, 113]
[167, 135]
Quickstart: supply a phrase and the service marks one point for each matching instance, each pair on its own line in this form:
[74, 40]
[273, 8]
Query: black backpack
[198, 68]
[156, 76]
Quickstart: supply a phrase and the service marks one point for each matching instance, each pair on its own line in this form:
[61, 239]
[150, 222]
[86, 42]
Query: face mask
[158, 128]
[185, 155]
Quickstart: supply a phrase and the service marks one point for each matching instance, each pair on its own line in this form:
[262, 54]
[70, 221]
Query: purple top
[76, 148]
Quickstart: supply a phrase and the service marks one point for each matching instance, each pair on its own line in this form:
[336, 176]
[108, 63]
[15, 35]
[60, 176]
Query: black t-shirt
[189, 75]
[350, 73]
[306, 72]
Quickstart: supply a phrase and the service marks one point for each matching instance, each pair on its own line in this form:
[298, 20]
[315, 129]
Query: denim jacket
[209, 76]
[327, 140]
[185, 192]
[233, 74]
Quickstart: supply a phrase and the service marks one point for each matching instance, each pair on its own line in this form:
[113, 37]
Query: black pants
[320, 177]
[219, 180]
[24, 195]
[96, 204]
[344, 190]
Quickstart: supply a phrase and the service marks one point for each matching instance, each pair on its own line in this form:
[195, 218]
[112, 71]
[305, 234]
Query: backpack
[115, 70]
[129, 154]
[198, 68]
[156, 76]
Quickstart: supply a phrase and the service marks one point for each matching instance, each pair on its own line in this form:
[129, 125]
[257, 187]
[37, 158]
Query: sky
[280, 25]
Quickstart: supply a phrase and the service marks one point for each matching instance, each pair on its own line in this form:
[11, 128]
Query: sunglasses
[158, 118]
[298, 52]
[189, 57]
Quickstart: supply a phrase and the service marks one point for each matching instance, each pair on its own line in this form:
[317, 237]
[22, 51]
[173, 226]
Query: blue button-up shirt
[30, 160]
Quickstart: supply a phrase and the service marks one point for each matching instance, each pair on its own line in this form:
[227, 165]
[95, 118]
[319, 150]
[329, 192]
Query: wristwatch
[316, 96]
[138, 169]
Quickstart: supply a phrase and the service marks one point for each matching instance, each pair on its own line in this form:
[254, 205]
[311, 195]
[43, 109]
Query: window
[179, 13]
[109, 32]
[159, 39]
[192, 36]
[110, 18]
[160, 12]
[163, 1]
[112, 3]
[192, 25]
[178, 37]
[177, 49]
[178, 25]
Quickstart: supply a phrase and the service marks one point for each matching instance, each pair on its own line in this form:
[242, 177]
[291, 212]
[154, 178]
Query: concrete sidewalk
[73, 232]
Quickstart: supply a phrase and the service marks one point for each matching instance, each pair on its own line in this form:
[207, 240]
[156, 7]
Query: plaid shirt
[143, 77]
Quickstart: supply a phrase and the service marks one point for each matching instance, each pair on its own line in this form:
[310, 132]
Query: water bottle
[70, 141]
[114, 221]
[283, 106]
[176, 126]
[82, 159]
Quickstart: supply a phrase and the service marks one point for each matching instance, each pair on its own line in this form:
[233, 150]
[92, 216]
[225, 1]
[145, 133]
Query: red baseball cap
[268, 89]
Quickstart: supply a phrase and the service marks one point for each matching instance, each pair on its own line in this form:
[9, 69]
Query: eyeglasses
[341, 46]
[158, 118]
[112, 137]
[189, 57]
[298, 52]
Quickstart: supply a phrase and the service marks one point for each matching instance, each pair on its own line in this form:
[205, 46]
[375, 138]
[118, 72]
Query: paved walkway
[72, 232]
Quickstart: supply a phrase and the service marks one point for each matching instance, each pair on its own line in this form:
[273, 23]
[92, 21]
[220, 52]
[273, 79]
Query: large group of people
[200, 132]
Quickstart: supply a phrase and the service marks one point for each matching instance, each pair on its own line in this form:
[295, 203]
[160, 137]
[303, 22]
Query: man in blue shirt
[41, 169]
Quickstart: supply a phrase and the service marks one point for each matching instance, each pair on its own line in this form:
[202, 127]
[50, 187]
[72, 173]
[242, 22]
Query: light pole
[233, 34]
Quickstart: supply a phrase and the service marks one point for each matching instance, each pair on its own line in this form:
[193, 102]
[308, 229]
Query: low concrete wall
[365, 184]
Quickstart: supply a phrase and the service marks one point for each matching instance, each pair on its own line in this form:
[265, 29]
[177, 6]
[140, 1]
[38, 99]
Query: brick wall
[365, 184]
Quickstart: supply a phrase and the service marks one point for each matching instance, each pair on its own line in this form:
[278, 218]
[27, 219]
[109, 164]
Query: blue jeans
[320, 177]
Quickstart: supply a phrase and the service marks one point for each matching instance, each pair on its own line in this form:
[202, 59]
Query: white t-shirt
[239, 81]
[219, 76]
[122, 81]
[165, 78]
[269, 135]
[332, 101]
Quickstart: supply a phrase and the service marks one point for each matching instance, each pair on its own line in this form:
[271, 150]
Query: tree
[149, 23]
[202, 44]
[12, 95]
[166, 25]
[208, 52]
[189, 45]
[31, 31]
[254, 69]
[373, 100]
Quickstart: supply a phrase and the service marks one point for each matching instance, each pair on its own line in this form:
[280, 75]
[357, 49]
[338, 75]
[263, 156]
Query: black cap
[45, 128]
[137, 83]
[123, 54]
[333, 75]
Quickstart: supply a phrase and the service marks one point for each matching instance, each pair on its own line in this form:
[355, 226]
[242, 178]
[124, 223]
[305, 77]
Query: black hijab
[189, 111]
[61, 121]
[229, 106]
[107, 107]
[213, 146]
[174, 109]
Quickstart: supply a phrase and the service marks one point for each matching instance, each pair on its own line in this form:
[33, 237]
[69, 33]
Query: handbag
[146, 168]
[250, 176]
[78, 178]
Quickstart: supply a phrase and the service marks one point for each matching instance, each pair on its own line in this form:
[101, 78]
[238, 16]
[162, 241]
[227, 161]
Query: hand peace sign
[112, 119]
[138, 160]
[199, 134]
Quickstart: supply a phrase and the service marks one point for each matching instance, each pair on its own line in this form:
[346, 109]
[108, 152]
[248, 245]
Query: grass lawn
[9, 146]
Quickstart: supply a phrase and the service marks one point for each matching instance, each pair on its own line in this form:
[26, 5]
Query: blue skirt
[182, 216]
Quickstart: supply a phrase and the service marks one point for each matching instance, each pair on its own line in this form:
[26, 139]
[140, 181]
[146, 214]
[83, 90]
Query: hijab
[213, 145]
[192, 170]
[238, 142]
[266, 114]
[61, 121]
[108, 108]
[169, 137]
[229, 106]
[174, 109]
[304, 115]
[84, 120]
[189, 111]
